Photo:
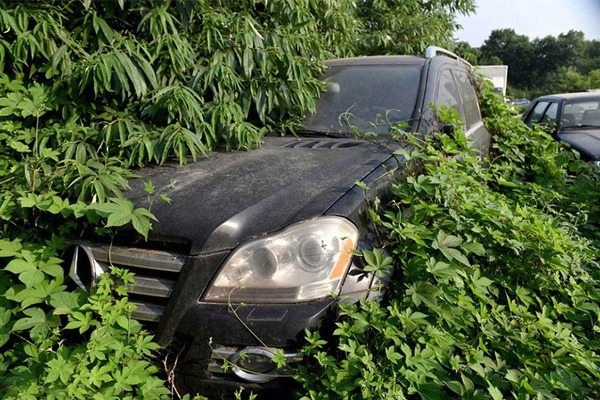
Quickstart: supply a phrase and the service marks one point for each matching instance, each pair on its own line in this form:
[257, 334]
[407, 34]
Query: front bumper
[233, 346]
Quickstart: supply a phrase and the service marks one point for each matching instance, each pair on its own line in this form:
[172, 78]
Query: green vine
[497, 292]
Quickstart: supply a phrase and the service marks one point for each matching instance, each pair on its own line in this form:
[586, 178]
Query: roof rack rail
[433, 51]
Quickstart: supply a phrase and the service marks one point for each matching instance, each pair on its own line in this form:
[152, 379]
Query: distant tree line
[566, 63]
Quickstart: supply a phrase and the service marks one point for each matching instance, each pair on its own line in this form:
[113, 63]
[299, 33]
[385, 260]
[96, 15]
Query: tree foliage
[513, 50]
[566, 63]
[202, 67]
[408, 27]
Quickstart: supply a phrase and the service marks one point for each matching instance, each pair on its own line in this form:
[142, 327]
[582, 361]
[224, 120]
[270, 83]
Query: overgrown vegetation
[497, 294]
[112, 358]
[90, 90]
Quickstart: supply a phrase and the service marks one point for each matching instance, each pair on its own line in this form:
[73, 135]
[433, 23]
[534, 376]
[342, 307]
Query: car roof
[377, 60]
[571, 96]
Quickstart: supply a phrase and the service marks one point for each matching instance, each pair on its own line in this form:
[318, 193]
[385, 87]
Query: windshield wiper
[580, 126]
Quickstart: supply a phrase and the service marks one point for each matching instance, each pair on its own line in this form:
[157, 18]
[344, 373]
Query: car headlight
[306, 261]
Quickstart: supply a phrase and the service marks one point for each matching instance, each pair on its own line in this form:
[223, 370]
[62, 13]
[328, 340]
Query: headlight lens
[306, 261]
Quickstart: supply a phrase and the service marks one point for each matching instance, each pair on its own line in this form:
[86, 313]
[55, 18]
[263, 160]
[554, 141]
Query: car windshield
[581, 113]
[367, 98]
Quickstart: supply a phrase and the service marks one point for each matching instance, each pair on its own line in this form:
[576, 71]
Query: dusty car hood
[225, 198]
[584, 140]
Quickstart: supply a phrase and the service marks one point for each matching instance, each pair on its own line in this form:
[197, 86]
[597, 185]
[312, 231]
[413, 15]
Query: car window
[581, 112]
[549, 116]
[366, 97]
[447, 93]
[535, 116]
[469, 97]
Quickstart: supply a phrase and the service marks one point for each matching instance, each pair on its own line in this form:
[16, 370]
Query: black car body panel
[573, 118]
[221, 200]
[585, 141]
[225, 202]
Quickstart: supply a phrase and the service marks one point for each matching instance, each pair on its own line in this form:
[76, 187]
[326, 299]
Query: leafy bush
[111, 358]
[497, 293]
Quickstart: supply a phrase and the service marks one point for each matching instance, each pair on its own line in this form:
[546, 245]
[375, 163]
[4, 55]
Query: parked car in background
[573, 118]
[519, 102]
[258, 246]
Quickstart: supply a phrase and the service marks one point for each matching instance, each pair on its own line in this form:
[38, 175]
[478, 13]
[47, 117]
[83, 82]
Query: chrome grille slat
[151, 286]
[155, 274]
[139, 258]
[147, 311]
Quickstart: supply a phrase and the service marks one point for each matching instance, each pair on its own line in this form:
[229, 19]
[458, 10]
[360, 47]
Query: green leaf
[123, 321]
[165, 198]
[496, 393]
[5, 318]
[473, 247]
[35, 317]
[59, 368]
[456, 387]
[423, 292]
[446, 244]
[100, 374]
[79, 320]
[441, 269]
[26, 296]
[52, 267]
[27, 271]
[513, 375]
[10, 248]
[479, 281]
[118, 211]
[140, 219]
[376, 261]
[65, 302]
[149, 187]
[446, 241]
[392, 355]
[19, 146]
[29, 201]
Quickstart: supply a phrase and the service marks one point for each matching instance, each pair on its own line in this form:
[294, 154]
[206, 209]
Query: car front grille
[155, 274]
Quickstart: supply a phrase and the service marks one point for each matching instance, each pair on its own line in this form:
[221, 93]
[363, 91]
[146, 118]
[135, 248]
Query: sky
[532, 18]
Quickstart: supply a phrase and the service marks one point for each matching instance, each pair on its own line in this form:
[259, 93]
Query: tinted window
[582, 112]
[447, 93]
[535, 116]
[550, 114]
[469, 97]
[368, 97]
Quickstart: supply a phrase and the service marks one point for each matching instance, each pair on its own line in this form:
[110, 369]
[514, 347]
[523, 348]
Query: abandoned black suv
[257, 246]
